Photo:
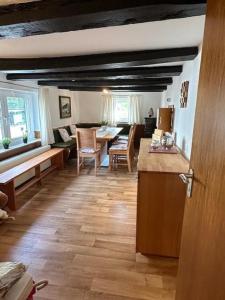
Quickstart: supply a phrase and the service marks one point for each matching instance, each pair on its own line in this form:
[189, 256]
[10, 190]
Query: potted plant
[25, 137]
[6, 142]
[104, 125]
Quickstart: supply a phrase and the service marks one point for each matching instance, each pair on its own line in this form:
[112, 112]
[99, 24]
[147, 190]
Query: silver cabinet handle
[187, 178]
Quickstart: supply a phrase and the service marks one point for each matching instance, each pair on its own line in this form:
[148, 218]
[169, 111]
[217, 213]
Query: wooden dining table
[104, 136]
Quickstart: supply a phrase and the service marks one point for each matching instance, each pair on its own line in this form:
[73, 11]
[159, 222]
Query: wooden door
[201, 274]
[165, 119]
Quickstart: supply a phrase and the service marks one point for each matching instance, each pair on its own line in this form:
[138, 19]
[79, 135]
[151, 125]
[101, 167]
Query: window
[18, 114]
[121, 108]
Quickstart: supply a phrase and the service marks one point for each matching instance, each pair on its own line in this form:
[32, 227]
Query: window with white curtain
[121, 108]
[19, 113]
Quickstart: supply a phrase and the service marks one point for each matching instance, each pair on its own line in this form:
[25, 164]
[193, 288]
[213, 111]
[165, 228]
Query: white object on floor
[4, 216]
[21, 289]
[10, 272]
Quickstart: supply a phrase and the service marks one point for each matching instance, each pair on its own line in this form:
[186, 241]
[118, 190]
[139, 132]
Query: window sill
[19, 149]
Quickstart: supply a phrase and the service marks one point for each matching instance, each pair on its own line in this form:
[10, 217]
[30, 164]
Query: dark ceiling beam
[123, 73]
[117, 82]
[124, 89]
[99, 61]
[42, 17]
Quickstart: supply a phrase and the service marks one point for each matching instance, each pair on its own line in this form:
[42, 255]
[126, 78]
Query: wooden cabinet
[165, 119]
[150, 126]
[160, 202]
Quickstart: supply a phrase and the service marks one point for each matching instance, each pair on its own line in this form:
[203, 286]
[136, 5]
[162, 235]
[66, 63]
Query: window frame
[29, 98]
[120, 98]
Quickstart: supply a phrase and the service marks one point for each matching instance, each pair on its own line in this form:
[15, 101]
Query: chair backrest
[131, 137]
[86, 138]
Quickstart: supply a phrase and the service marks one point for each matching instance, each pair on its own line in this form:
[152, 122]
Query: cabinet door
[165, 119]
[160, 209]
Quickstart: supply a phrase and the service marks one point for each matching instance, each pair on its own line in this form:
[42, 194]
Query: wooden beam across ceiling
[42, 17]
[123, 73]
[109, 83]
[99, 61]
[124, 89]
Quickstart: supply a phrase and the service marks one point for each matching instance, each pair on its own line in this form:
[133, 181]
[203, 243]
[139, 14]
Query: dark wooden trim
[42, 17]
[124, 89]
[19, 150]
[108, 83]
[99, 61]
[122, 73]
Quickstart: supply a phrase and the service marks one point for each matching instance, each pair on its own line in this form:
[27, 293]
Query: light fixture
[105, 91]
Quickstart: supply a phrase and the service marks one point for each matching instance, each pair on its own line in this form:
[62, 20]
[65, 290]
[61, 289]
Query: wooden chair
[87, 147]
[123, 151]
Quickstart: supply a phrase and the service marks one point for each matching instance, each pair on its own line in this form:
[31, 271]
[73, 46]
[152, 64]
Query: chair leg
[129, 163]
[66, 154]
[78, 165]
[96, 165]
[99, 160]
[82, 162]
[110, 161]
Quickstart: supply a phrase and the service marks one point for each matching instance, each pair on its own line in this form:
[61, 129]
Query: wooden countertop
[157, 162]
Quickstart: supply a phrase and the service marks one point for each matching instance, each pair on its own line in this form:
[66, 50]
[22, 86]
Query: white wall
[184, 117]
[150, 100]
[91, 105]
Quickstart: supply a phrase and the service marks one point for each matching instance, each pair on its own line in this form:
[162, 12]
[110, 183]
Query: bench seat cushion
[70, 144]
[123, 137]
[118, 147]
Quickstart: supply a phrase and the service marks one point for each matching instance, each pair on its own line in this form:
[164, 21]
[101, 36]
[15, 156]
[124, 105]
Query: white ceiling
[152, 35]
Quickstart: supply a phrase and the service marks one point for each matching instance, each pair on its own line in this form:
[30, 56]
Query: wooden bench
[7, 178]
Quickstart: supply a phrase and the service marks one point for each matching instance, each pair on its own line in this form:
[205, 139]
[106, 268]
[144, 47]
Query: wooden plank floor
[79, 233]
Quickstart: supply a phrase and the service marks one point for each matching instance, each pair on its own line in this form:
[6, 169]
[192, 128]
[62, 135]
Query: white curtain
[30, 114]
[47, 136]
[134, 111]
[75, 107]
[108, 109]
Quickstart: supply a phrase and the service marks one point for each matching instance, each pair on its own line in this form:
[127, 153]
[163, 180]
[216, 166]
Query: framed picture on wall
[184, 94]
[64, 107]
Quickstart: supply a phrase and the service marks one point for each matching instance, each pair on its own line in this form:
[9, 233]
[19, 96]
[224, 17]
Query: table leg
[104, 155]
